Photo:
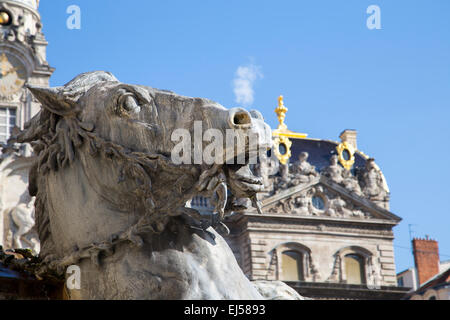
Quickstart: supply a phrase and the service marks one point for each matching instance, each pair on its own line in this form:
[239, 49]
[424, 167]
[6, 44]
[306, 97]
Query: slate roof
[320, 152]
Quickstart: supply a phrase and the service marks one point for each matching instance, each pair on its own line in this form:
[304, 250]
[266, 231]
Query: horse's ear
[54, 100]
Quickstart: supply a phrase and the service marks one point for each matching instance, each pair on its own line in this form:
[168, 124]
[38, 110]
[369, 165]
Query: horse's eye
[128, 104]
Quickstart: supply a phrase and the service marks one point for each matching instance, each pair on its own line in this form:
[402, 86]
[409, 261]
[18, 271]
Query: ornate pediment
[299, 189]
[321, 197]
[361, 183]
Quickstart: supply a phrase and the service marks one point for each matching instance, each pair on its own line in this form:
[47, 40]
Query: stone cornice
[250, 222]
[47, 72]
[316, 219]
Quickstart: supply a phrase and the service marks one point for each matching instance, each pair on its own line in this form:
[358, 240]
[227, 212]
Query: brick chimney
[350, 136]
[426, 258]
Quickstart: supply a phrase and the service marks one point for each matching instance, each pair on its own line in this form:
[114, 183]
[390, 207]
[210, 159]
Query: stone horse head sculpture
[110, 199]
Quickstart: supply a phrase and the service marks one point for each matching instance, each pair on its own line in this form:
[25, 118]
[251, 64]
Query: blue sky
[392, 84]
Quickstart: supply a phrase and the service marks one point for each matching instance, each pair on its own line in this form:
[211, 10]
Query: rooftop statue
[304, 172]
[336, 173]
[110, 199]
[372, 182]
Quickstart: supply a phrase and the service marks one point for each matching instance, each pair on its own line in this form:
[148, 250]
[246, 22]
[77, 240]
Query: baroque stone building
[22, 61]
[326, 228]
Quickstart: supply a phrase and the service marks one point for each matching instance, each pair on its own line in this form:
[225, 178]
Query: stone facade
[23, 61]
[24, 46]
[323, 245]
[325, 214]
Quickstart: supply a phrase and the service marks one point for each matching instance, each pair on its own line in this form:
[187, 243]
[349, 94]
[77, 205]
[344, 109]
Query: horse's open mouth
[242, 181]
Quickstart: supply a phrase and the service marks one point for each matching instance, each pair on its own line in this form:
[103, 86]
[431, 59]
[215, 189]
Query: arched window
[291, 266]
[355, 265]
[355, 269]
[293, 262]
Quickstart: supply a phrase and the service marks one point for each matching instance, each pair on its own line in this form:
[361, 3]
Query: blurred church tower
[22, 61]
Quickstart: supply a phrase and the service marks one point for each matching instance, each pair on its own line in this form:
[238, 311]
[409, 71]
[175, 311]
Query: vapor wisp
[243, 83]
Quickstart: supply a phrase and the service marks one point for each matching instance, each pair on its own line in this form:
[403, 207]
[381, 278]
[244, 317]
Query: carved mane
[53, 139]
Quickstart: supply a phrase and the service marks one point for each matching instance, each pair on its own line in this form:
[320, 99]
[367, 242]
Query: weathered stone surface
[179, 265]
[372, 184]
[110, 199]
[276, 290]
[16, 205]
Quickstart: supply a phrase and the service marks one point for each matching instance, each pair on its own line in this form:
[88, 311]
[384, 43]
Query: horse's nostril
[242, 118]
[239, 118]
